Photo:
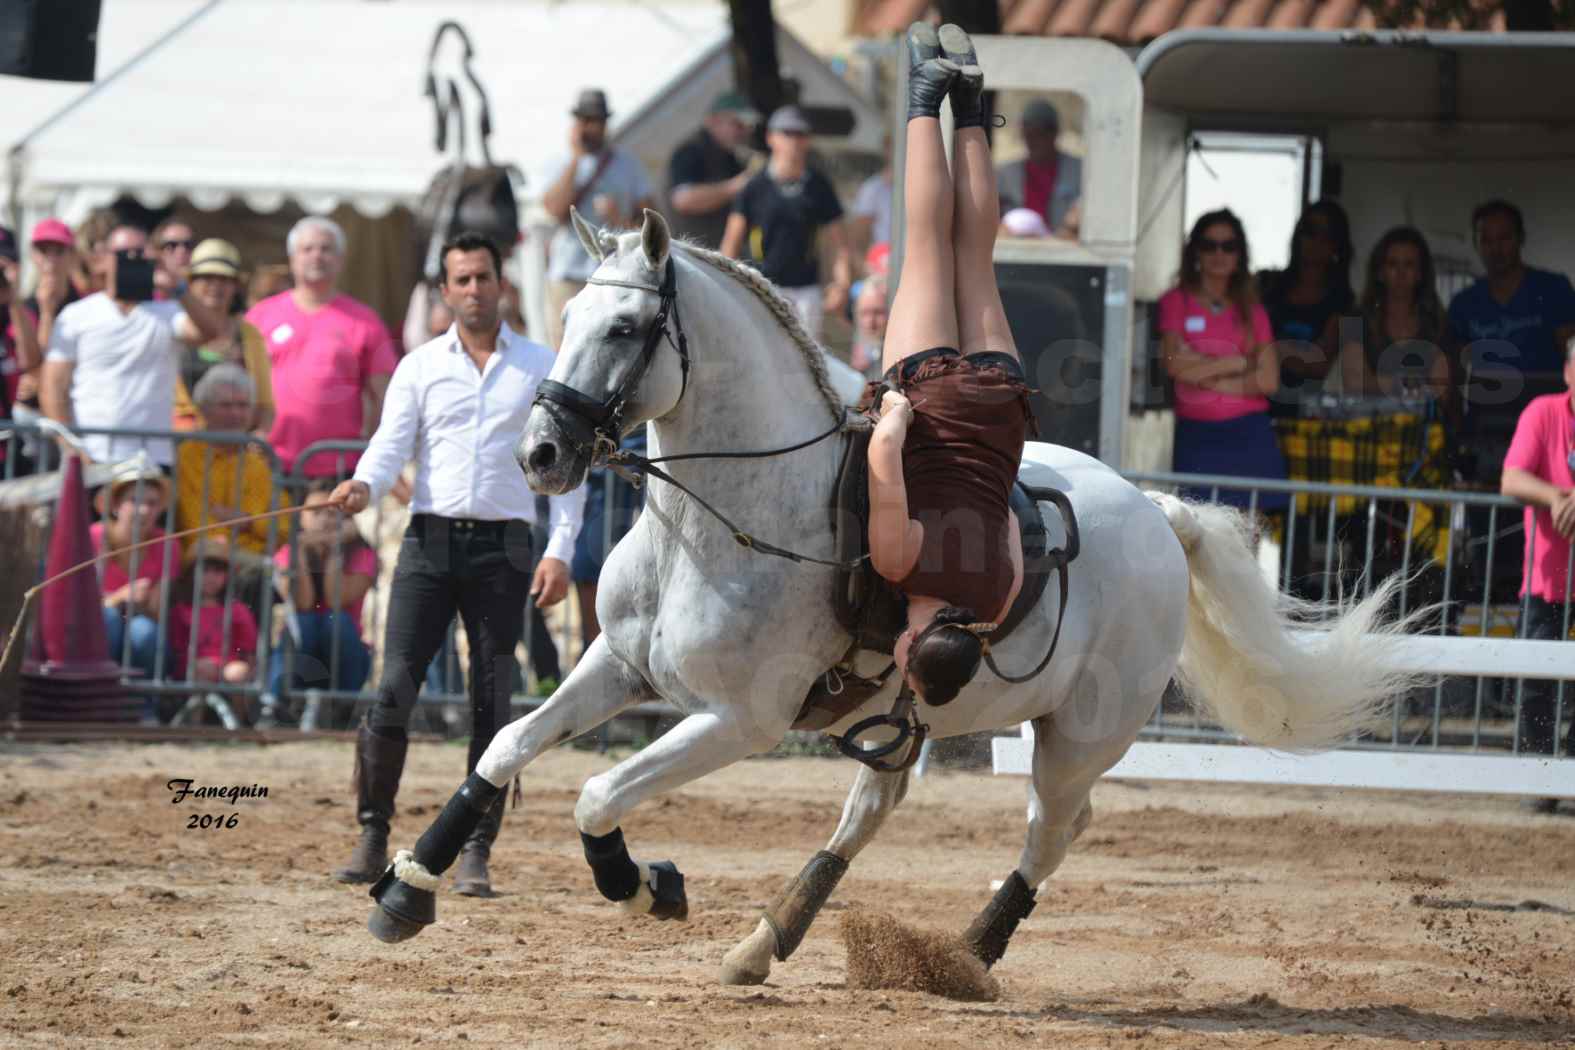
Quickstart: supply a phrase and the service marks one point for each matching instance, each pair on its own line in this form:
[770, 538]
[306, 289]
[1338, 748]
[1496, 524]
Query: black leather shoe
[928, 83]
[967, 93]
[956, 46]
[923, 44]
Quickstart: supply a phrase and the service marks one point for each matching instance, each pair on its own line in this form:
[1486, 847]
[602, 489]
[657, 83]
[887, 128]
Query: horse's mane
[782, 310]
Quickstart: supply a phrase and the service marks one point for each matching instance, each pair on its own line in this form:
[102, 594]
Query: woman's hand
[895, 404]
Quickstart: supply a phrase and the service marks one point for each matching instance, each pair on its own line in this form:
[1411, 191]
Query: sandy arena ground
[1187, 915]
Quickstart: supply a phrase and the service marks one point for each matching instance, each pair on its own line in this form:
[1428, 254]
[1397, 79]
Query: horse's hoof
[390, 928]
[402, 909]
[670, 902]
[749, 961]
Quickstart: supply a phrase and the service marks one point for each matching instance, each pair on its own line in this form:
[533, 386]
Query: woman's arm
[894, 537]
[1185, 365]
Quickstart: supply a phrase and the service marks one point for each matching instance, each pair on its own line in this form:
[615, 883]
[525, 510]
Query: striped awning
[1134, 22]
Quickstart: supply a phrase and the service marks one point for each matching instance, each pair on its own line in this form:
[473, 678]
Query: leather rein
[606, 417]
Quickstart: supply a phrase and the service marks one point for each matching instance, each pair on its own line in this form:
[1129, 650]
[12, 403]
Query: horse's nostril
[543, 456]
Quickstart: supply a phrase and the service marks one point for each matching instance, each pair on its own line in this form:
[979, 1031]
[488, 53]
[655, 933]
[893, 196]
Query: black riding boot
[379, 761]
[471, 878]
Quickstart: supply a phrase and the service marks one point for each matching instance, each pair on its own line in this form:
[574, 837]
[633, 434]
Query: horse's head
[624, 359]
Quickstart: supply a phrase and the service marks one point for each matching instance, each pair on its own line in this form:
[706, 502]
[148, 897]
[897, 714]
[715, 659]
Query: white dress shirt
[460, 425]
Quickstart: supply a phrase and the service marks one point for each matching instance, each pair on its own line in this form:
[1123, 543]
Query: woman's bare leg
[981, 320]
[924, 314]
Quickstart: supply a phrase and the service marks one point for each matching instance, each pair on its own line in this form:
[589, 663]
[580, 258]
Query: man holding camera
[606, 183]
[111, 356]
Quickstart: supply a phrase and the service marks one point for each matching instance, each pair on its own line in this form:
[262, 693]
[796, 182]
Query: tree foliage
[1474, 14]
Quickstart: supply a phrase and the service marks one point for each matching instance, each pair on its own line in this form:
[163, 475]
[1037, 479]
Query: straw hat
[216, 257]
[126, 475]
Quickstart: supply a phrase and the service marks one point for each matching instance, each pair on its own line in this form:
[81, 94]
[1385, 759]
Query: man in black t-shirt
[778, 216]
[705, 175]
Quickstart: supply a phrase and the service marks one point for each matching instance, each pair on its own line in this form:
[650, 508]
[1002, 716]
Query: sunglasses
[1207, 245]
[169, 246]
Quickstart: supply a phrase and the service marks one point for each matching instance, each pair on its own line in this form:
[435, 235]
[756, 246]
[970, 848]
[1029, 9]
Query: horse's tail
[1242, 661]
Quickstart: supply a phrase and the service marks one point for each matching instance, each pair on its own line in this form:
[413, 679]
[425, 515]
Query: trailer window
[1264, 179]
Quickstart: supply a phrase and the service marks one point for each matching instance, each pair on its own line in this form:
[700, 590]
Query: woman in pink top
[1216, 343]
[221, 654]
[132, 506]
[325, 574]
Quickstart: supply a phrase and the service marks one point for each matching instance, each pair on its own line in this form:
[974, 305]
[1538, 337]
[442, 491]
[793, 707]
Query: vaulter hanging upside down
[954, 410]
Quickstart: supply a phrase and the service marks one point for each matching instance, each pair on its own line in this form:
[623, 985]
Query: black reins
[606, 418]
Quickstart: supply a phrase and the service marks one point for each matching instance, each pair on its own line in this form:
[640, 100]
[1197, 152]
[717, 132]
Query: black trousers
[1540, 700]
[482, 569]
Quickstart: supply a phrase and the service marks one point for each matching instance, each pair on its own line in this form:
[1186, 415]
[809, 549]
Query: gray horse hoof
[390, 928]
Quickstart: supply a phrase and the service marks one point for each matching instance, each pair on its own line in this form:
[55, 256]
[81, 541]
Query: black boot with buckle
[379, 761]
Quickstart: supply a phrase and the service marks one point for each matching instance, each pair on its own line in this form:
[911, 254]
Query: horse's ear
[587, 234]
[656, 240]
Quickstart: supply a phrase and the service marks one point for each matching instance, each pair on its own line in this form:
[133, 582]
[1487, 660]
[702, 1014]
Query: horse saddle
[875, 612]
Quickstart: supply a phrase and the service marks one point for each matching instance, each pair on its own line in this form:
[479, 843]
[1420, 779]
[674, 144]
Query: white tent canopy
[322, 103]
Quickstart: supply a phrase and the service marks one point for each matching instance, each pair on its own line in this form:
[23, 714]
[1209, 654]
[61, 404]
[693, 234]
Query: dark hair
[1498, 206]
[942, 662]
[1340, 233]
[469, 241]
[1430, 309]
[1242, 290]
[322, 486]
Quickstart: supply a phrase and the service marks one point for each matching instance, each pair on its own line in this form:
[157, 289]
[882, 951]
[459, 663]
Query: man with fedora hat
[604, 182]
[705, 175]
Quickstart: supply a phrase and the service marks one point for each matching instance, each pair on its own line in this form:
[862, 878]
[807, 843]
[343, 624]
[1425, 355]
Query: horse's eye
[621, 330]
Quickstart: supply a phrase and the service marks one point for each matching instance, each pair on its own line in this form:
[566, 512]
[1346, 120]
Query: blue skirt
[1244, 447]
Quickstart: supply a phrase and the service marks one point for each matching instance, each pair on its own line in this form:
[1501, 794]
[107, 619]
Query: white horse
[734, 639]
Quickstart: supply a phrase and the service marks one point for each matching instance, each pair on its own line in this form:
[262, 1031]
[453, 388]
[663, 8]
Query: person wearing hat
[1047, 181]
[213, 637]
[607, 184]
[705, 175]
[778, 217]
[216, 277]
[52, 252]
[132, 507]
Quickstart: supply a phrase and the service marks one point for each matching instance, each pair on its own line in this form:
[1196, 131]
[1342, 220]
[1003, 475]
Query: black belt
[473, 526]
[903, 370]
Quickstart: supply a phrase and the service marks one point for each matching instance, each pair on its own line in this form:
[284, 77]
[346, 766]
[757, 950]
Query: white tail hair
[1244, 664]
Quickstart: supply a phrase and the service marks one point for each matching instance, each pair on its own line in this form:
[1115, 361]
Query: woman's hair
[1242, 290]
[1430, 309]
[223, 376]
[942, 661]
[1340, 233]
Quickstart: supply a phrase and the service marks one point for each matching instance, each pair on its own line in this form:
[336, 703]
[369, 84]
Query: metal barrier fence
[276, 660]
[1461, 550]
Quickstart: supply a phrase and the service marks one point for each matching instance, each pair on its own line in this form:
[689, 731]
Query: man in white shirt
[112, 362]
[457, 406]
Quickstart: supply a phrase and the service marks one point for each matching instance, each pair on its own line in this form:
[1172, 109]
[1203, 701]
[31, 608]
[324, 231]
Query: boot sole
[923, 42]
[957, 45]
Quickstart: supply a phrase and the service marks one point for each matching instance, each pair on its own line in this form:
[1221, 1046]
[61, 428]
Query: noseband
[606, 417]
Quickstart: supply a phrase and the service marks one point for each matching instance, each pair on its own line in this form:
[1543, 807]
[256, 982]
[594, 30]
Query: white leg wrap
[643, 900]
[411, 872]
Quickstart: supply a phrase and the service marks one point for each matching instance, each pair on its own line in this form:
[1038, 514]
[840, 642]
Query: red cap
[53, 231]
[878, 259]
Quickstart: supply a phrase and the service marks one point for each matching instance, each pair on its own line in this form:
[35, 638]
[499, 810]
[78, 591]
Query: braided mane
[782, 310]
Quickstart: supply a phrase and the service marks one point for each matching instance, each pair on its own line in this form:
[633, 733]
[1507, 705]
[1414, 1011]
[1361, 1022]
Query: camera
[133, 276]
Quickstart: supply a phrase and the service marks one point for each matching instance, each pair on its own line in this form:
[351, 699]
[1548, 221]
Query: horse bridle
[606, 417]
